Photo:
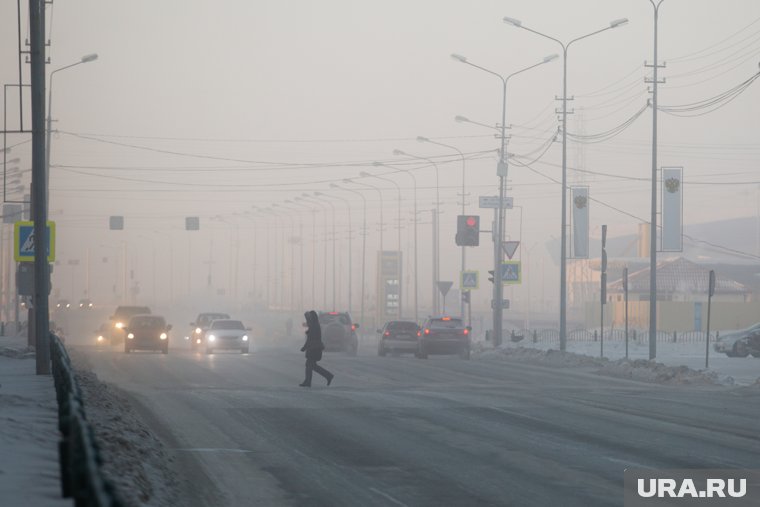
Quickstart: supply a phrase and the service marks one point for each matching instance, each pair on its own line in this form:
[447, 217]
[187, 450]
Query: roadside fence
[81, 475]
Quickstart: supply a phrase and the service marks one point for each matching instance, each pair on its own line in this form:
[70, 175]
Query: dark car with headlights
[443, 335]
[201, 324]
[227, 334]
[339, 332]
[119, 321]
[397, 336]
[147, 332]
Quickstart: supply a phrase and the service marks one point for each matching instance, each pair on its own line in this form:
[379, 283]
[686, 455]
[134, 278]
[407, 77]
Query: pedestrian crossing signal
[466, 297]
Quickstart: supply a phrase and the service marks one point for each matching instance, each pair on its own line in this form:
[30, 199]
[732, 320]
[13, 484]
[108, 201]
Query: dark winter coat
[313, 346]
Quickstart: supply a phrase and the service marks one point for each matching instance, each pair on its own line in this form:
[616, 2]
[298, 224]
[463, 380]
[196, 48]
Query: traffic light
[468, 230]
[490, 277]
[466, 297]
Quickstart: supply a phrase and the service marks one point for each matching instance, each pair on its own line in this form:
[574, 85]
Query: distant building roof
[679, 276]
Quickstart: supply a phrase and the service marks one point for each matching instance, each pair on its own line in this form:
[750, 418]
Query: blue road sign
[23, 239]
[510, 272]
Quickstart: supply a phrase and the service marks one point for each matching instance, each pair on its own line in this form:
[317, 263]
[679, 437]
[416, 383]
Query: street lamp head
[398, 153]
[304, 194]
[513, 22]
[618, 22]
[423, 139]
[458, 58]
[347, 180]
[377, 164]
[461, 119]
[551, 58]
[318, 193]
[333, 185]
[13, 161]
[364, 174]
[89, 58]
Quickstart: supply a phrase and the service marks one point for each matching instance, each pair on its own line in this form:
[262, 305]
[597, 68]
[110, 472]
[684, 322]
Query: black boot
[330, 378]
[304, 384]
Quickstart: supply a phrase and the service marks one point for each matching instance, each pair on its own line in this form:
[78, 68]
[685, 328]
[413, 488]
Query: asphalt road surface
[399, 431]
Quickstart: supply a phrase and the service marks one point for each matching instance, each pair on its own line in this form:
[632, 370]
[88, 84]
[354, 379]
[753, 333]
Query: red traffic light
[471, 222]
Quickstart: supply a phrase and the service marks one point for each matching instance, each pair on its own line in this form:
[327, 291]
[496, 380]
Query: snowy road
[401, 431]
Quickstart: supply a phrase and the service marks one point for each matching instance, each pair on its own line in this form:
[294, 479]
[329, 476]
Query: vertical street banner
[672, 209]
[580, 218]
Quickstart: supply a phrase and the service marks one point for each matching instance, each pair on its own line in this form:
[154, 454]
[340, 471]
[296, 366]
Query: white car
[736, 343]
[227, 334]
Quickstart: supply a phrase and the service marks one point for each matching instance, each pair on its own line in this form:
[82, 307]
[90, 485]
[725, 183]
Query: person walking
[313, 349]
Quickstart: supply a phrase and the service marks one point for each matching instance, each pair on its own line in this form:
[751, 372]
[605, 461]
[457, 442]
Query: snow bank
[134, 459]
[636, 369]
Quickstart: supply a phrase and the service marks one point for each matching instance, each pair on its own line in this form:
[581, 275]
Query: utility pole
[653, 224]
[39, 186]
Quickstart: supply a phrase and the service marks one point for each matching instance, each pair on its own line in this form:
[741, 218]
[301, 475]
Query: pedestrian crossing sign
[511, 273]
[469, 280]
[23, 241]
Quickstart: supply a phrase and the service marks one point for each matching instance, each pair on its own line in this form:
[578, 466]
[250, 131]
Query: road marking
[388, 497]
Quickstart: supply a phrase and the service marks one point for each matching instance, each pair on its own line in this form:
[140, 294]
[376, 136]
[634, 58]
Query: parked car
[443, 335]
[227, 334]
[149, 332]
[200, 325]
[120, 318]
[397, 336]
[740, 343]
[339, 332]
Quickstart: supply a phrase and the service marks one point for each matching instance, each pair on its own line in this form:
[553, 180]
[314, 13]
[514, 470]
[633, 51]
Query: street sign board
[469, 280]
[510, 247]
[504, 304]
[492, 201]
[444, 287]
[511, 272]
[23, 241]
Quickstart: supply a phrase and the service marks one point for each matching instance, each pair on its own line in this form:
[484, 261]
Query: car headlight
[100, 338]
[211, 338]
[198, 340]
[130, 336]
[119, 325]
[198, 330]
[163, 336]
[245, 338]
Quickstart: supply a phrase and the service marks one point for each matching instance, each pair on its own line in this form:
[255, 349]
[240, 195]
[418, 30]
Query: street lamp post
[434, 302]
[84, 59]
[416, 277]
[350, 247]
[318, 195]
[398, 263]
[563, 241]
[502, 169]
[297, 201]
[653, 223]
[426, 140]
[364, 242]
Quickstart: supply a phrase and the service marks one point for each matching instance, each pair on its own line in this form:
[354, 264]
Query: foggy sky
[218, 106]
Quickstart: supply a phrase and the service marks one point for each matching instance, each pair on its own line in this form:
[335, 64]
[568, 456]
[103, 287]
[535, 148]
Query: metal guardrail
[81, 476]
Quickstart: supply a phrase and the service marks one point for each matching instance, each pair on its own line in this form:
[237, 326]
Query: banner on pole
[580, 200]
[672, 209]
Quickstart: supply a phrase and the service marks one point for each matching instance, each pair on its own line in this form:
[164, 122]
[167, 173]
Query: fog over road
[403, 431]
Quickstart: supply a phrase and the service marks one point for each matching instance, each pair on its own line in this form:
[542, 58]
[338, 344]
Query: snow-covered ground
[674, 363]
[134, 460]
[29, 470]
